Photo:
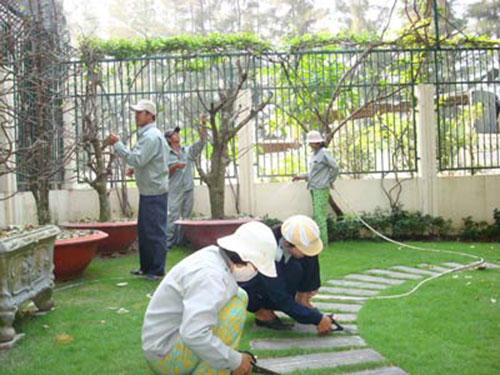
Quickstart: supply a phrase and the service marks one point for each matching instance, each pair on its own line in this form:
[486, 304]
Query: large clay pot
[120, 234]
[73, 255]
[201, 233]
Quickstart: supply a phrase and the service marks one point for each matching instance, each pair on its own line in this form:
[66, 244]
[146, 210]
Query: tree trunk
[216, 178]
[41, 194]
[335, 207]
[104, 206]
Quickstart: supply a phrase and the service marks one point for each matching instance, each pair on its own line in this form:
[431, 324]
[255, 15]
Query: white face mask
[244, 273]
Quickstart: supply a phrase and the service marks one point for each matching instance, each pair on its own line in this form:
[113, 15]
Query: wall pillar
[427, 151]
[246, 156]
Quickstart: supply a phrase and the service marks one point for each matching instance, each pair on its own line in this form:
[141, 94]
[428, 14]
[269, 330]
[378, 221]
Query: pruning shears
[257, 369]
[335, 325]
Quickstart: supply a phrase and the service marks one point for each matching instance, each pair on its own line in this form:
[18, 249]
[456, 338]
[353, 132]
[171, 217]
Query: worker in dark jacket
[298, 237]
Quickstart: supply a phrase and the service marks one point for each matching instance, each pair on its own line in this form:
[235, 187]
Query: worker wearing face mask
[299, 239]
[195, 318]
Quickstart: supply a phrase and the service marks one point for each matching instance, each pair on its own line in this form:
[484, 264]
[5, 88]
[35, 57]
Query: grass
[449, 326]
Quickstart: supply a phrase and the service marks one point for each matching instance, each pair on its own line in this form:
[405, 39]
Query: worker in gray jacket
[195, 318]
[180, 168]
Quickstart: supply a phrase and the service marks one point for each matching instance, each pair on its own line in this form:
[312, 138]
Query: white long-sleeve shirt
[187, 303]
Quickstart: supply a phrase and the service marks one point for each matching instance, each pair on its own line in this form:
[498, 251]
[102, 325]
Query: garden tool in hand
[257, 369]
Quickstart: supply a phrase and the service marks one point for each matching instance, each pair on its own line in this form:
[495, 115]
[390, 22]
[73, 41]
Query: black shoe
[275, 324]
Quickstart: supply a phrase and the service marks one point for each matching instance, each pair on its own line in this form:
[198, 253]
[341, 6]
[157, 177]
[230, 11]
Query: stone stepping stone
[415, 270]
[342, 297]
[350, 291]
[308, 343]
[311, 328]
[341, 317]
[350, 329]
[375, 279]
[396, 275]
[358, 284]
[433, 268]
[341, 307]
[453, 264]
[320, 360]
[379, 371]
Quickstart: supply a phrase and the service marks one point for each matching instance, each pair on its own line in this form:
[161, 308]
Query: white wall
[458, 197]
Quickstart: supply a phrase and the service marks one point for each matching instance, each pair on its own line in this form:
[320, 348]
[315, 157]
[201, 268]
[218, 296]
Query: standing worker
[148, 157]
[180, 169]
[195, 319]
[322, 172]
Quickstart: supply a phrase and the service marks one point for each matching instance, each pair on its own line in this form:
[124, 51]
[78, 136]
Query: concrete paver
[320, 360]
[375, 279]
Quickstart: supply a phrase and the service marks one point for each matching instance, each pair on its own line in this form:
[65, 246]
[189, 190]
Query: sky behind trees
[272, 19]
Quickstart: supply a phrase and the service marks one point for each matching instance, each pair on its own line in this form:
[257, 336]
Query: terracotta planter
[201, 233]
[120, 234]
[73, 255]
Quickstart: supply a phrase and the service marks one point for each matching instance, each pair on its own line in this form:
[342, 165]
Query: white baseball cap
[314, 137]
[303, 233]
[254, 242]
[145, 105]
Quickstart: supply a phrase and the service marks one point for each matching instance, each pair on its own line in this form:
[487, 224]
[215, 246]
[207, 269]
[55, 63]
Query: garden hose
[479, 261]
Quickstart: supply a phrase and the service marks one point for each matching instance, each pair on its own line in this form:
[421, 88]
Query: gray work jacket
[323, 170]
[182, 179]
[148, 157]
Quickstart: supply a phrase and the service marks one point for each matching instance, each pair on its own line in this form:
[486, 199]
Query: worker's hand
[112, 139]
[245, 367]
[325, 325]
[130, 172]
[296, 178]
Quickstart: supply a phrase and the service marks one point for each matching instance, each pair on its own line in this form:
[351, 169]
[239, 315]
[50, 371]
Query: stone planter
[201, 233]
[120, 235]
[73, 255]
[26, 263]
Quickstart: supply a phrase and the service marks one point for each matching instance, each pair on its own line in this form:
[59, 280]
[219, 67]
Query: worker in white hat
[148, 158]
[322, 172]
[299, 240]
[195, 318]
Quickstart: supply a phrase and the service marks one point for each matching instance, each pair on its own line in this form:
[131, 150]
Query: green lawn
[449, 326]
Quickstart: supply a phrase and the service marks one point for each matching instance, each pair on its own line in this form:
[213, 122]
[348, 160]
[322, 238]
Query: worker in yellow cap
[298, 240]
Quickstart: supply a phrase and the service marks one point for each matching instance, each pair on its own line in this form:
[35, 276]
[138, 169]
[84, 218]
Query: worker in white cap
[181, 194]
[195, 318]
[148, 158]
[299, 240]
[322, 172]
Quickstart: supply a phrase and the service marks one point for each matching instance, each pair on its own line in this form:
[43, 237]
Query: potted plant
[73, 252]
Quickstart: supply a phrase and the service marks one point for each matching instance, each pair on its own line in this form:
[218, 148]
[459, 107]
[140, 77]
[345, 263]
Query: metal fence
[367, 99]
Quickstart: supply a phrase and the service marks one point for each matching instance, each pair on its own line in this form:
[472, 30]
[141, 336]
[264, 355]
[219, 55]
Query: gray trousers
[180, 206]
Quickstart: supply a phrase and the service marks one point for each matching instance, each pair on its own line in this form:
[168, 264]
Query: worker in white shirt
[195, 318]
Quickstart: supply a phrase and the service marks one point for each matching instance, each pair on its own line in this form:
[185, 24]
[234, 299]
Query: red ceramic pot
[120, 234]
[201, 233]
[73, 255]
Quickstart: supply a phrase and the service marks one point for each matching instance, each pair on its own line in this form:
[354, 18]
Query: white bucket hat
[145, 105]
[254, 242]
[314, 137]
[303, 233]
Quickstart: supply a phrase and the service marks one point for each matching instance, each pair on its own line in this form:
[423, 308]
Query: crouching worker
[195, 319]
[299, 238]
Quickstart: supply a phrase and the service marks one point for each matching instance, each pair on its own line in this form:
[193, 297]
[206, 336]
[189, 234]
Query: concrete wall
[458, 197]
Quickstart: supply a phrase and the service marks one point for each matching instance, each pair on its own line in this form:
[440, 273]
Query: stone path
[347, 348]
